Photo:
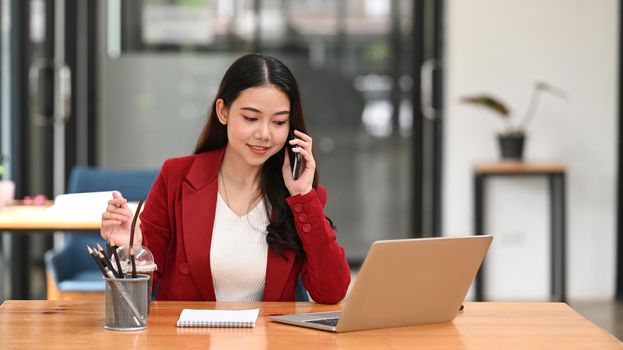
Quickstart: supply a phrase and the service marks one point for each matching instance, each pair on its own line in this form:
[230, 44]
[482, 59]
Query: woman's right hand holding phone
[117, 222]
[301, 144]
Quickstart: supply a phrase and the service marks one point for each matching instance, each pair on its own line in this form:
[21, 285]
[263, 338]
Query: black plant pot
[511, 146]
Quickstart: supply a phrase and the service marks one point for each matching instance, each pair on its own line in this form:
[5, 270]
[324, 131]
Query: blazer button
[298, 207]
[306, 228]
[184, 268]
[302, 217]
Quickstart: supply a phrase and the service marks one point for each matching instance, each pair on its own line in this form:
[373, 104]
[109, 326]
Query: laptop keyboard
[325, 321]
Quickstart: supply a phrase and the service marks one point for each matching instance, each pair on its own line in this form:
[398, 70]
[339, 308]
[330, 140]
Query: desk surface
[518, 167]
[27, 217]
[80, 325]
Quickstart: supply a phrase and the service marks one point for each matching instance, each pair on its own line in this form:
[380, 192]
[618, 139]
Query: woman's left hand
[302, 144]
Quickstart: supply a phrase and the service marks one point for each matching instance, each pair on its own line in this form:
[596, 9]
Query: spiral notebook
[218, 318]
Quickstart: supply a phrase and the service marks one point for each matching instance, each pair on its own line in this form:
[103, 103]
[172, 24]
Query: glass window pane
[352, 60]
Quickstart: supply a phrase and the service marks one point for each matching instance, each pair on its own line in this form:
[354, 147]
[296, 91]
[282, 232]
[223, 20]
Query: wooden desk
[555, 173]
[80, 325]
[42, 219]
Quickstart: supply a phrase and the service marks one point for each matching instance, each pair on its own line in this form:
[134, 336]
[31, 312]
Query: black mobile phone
[295, 158]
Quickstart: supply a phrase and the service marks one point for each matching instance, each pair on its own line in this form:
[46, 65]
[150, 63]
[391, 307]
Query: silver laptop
[405, 282]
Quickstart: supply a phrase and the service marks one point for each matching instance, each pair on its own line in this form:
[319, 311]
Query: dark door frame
[81, 55]
[81, 58]
[17, 252]
[428, 33]
[619, 210]
[24, 152]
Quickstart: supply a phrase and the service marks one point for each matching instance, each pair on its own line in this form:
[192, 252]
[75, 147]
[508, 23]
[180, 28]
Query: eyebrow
[258, 111]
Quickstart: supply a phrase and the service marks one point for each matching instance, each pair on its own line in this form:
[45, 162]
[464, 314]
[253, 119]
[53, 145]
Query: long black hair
[249, 71]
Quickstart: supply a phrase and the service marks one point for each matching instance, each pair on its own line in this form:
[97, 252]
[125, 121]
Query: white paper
[218, 318]
[87, 205]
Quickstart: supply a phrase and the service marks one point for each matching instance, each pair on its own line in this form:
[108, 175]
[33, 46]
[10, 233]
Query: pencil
[97, 260]
[105, 270]
[106, 261]
[114, 253]
[102, 268]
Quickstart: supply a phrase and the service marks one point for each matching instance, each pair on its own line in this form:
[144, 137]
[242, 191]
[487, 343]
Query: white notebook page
[218, 318]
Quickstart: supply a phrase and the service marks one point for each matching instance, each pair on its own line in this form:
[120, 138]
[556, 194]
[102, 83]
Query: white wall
[502, 47]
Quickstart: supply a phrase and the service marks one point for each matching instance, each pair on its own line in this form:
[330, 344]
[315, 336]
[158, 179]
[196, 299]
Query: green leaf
[551, 88]
[488, 101]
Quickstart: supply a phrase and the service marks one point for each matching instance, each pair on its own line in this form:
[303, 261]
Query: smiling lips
[259, 150]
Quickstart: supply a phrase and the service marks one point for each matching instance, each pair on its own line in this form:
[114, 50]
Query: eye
[280, 122]
[249, 119]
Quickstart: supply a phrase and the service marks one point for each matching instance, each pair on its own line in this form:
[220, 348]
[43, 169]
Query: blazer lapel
[277, 272]
[199, 193]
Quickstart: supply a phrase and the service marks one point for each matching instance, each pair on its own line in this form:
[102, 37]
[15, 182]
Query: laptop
[405, 282]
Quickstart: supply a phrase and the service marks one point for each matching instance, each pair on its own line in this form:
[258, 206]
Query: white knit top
[238, 253]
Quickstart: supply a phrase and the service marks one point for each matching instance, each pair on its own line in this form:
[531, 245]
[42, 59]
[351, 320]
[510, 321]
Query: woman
[230, 222]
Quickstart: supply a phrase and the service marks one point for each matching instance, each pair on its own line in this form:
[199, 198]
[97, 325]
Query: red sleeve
[325, 272]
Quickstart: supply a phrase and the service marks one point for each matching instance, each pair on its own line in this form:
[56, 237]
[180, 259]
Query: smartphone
[295, 159]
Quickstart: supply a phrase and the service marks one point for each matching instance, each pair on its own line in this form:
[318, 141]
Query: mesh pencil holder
[126, 303]
[144, 261]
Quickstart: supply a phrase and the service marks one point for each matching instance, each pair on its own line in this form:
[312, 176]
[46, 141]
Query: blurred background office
[127, 83]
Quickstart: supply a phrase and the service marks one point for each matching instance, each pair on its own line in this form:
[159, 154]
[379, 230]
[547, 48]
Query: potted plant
[512, 138]
[7, 187]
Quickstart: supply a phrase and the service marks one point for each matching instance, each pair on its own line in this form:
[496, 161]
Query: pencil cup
[126, 303]
[144, 263]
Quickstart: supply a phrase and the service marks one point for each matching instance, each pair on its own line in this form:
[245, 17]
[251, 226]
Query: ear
[221, 111]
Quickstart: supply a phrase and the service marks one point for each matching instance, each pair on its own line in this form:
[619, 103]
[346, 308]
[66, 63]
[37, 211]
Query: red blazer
[177, 227]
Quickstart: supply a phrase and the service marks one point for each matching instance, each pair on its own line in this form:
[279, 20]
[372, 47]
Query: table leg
[17, 266]
[553, 241]
[563, 238]
[479, 229]
[558, 245]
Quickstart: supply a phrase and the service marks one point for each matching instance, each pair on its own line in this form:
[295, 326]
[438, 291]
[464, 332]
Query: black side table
[555, 173]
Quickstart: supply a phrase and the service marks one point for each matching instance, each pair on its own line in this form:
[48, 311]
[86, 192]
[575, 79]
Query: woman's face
[257, 122]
